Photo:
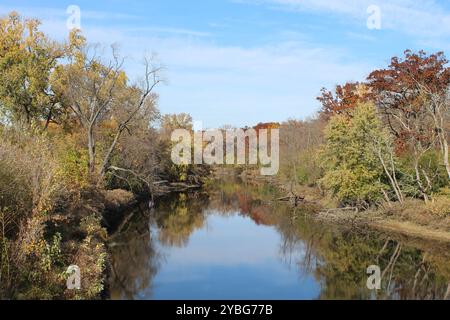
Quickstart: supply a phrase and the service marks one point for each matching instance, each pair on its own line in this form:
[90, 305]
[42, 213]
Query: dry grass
[411, 229]
[118, 199]
[434, 214]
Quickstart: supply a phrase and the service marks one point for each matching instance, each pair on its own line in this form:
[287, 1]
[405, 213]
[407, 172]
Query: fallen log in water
[180, 186]
[294, 199]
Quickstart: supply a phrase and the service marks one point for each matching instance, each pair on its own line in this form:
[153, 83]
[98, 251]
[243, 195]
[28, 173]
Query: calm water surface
[235, 243]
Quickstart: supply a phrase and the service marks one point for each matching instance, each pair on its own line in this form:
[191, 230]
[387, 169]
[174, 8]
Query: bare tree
[97, 91]
[438, 107]
[141, 102]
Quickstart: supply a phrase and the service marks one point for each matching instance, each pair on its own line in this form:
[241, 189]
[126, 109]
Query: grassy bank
[414, 218]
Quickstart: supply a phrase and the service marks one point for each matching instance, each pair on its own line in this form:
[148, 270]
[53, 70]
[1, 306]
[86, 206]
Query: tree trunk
[110, 152]
[445, 154]
[447, 294]
[392, 178]
[49, 118]
[91, 149]
[438, 117]
[419, 182]
[417, 155]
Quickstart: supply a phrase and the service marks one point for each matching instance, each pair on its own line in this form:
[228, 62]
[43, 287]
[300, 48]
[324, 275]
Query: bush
[44, 215]
[73, 166]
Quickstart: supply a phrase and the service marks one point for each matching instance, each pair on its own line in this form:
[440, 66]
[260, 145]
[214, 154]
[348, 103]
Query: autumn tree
[299, 142]
[192, 174]
[98, 92]
[411, 95]
[140, 162]
[343, 100]
[27, 59]
[170, 122]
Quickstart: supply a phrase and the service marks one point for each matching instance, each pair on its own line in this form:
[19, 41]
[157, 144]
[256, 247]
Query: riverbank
[414, 218]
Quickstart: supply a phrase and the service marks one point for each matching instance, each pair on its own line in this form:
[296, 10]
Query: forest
[81, 141]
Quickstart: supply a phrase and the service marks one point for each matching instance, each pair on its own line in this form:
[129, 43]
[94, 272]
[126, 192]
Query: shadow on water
[235, 243]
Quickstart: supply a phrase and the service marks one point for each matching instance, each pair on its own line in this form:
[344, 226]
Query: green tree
[353, 171]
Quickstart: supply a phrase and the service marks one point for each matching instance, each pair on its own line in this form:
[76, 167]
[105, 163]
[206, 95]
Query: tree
[170, 122]
[410, 94]
[344, 100]
[98, 92]
[437, 108]
[299, 142]
[27, 59]
[352, 170]
[187, 173]
[382, 146]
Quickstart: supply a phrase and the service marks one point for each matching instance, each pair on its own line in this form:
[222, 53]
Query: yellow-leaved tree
[27, 60]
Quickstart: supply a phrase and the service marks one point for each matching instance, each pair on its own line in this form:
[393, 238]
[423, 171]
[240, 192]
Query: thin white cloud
[426, 18]
[60, 13]
[168, 30]
[232, 84]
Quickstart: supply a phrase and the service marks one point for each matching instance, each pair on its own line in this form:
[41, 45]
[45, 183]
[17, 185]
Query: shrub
[44, 214]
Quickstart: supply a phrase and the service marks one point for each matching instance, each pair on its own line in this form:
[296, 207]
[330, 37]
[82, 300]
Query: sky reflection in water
[230, 258]
[235, 243]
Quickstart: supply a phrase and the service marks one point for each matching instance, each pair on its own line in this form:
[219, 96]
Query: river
[234, 242]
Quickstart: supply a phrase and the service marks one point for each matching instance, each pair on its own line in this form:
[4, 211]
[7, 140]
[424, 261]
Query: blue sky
[242, 62]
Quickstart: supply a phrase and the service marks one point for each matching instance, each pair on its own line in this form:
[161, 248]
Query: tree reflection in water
[134, 259]
[337, 257]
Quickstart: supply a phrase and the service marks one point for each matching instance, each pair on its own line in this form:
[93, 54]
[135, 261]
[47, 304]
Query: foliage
[27, 59]
[412, 103]
[39, 219]
[299, 156]
[73, 165]
[72, 123]
[344, 100]
[353, 172]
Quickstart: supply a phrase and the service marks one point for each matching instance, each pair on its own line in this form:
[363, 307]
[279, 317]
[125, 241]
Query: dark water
[234, 243]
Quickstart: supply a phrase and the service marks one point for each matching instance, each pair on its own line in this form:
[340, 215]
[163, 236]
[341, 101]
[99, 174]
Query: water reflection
[134, 260]
[235, 243]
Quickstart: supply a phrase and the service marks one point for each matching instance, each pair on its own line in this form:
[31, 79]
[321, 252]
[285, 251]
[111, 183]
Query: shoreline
[379, 219]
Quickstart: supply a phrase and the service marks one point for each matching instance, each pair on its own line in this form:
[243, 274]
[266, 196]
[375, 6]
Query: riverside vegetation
[80, 142]
[379, 147]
